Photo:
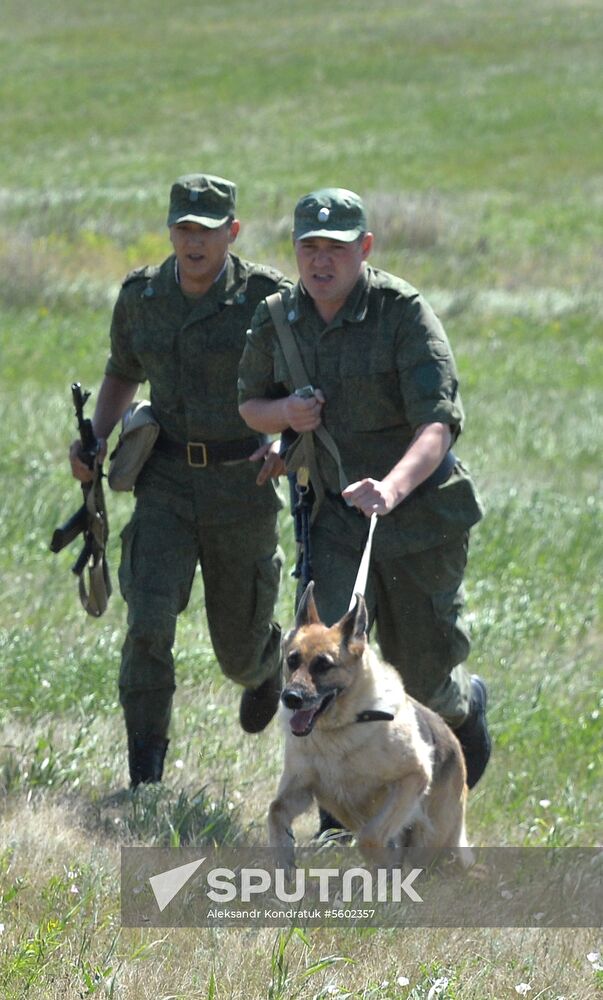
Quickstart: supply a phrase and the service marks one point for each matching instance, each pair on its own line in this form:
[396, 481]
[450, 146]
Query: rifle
[301, 498]
[90, 520]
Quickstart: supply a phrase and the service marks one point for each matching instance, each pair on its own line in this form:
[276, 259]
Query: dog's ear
[307, 613]
[354, 626]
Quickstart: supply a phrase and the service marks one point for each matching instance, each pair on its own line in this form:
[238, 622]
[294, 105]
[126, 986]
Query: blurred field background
[474, 130]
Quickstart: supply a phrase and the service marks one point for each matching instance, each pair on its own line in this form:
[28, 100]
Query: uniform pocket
[374, 401]
[125, 572]
[267, 581]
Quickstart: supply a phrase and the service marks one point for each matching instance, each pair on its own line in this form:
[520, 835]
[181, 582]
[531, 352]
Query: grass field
[475, 131]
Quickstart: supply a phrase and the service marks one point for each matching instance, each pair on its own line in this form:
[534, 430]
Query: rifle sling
[94, 595]
[300, 378]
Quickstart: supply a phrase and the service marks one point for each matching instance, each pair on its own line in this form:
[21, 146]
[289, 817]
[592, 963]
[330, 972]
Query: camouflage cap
[202, 198]
[334, 213]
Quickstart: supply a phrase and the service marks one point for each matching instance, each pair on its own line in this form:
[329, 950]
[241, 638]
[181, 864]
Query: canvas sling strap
[94, 594]
[306, 464]
[309, 470]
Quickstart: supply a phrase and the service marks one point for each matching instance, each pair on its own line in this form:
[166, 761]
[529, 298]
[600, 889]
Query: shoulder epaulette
[263, 271]
[387, 282]
[140, 274]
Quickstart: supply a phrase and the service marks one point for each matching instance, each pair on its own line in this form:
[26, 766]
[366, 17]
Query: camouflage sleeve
[427, 370]
[257, 379]
[123, 361]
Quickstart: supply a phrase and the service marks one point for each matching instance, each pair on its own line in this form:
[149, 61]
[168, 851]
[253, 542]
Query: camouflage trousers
[415, 602]
[240, 565]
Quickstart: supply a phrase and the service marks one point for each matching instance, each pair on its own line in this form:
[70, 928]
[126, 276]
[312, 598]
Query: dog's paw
[284, 859]
[290, 874]
[463, 856]
[376, 852]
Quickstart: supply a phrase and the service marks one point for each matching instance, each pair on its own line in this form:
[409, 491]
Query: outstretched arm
[422, 457]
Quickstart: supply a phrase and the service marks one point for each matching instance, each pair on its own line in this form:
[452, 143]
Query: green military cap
[334, 213]
[202, 198]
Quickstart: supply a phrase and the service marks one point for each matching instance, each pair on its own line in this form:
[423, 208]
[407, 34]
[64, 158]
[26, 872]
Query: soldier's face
[329, 269]
[201, 252]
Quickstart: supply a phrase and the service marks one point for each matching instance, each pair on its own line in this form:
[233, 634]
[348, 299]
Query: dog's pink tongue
[301, 720]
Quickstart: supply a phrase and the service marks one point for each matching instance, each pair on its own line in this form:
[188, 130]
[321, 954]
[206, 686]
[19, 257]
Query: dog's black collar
[374, 715]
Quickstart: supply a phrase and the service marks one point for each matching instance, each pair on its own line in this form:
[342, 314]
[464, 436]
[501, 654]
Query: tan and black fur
[385, 766]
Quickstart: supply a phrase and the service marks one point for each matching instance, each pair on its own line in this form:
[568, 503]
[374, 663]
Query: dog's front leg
[291, 801]
[378, 836]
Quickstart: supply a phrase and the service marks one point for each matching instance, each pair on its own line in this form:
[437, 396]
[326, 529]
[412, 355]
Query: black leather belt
[200, 454]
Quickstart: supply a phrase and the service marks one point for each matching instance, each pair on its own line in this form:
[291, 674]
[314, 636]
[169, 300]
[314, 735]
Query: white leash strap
[362, 574]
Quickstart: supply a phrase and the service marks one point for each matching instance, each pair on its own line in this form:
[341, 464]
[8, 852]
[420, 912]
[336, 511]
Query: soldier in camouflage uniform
[386, 389]
[206, 495]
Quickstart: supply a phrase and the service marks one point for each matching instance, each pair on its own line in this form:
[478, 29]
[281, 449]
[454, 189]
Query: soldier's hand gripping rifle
[90, 520]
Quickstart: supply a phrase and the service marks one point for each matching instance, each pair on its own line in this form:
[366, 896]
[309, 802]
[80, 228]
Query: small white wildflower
[44, 683]
[74, 890]
[545, 803]
[1, 928]
[384, 984]
[403, 981]
[179, 764]
[523, 988]
[594, 956]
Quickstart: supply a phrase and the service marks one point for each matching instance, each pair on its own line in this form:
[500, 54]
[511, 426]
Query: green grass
[475, 132]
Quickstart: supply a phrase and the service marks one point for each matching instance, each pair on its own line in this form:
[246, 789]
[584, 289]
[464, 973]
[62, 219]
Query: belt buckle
[189, 454]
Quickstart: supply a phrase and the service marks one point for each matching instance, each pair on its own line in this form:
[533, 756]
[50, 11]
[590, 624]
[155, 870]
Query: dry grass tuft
[408, 221]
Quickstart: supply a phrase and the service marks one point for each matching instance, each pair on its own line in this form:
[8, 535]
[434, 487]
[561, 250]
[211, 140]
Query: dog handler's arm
[114, 396]
[425, 452]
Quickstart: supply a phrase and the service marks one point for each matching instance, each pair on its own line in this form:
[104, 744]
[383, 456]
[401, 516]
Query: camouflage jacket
[188, 350]
[385, 367]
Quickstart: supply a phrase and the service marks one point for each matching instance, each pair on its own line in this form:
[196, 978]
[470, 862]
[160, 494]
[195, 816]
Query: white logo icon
[166, 885]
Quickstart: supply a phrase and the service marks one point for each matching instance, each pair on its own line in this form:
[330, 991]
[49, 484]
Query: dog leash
[369, 714]
[362, 574]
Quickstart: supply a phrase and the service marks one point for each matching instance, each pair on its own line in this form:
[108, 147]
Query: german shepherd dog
[389, 769]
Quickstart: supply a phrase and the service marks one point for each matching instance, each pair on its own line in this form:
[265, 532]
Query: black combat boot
[258, 705]
[473, 734]
[146, 755]
[328, 823]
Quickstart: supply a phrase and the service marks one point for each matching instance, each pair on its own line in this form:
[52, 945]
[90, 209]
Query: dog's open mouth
[303, 719]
